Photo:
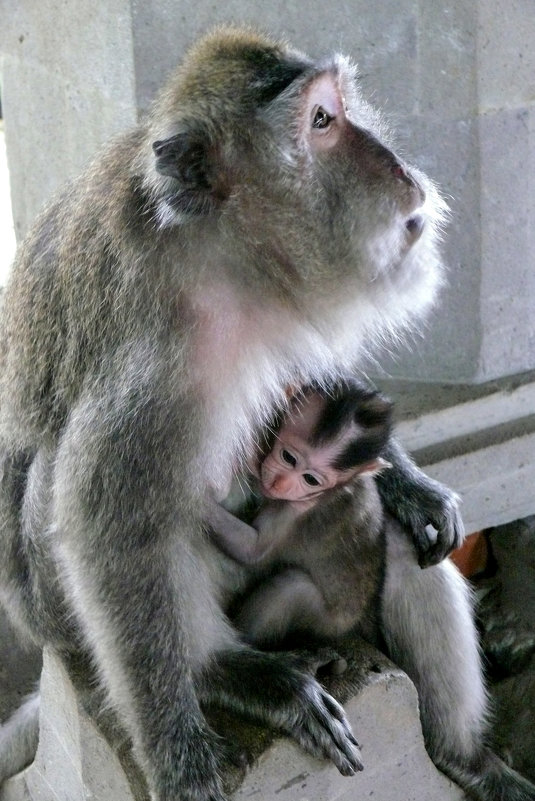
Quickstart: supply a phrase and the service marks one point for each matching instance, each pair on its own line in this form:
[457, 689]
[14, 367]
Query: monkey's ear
[183, 157]
[192, 192]
[374, 410]
[374, 467]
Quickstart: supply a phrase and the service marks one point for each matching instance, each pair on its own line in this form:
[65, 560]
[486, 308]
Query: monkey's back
[78, 292]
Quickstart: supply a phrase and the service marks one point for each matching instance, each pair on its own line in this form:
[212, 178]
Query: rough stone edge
[83, 753]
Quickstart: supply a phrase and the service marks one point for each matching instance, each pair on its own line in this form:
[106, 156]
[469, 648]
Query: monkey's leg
[273, 688]
[138, 588]
[19, 737]
[15, 581]
[279, 605]
[428, 625]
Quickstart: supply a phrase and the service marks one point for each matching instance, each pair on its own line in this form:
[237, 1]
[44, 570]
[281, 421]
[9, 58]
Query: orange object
[472, 556]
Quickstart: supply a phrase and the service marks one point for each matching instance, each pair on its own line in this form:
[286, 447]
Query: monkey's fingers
[287, 698]
[337, 711]
[324, 731]
[417, 501]
[449, 528]
[325, 661]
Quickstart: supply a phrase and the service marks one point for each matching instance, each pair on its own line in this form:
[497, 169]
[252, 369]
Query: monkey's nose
[417, 194]
[415, 226]
[278, 483]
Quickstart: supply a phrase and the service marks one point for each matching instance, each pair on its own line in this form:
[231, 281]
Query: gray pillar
[67, 76]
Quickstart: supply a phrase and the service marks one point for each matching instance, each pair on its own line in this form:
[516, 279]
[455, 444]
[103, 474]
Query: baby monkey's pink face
[295, 469]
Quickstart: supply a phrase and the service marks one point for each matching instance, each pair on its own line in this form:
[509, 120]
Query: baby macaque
[328, 447]
[325, 559]
[327, 438]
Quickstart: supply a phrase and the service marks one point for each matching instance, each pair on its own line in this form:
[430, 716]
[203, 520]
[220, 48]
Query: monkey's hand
[320, 726]
[275, 688]
[420, 502]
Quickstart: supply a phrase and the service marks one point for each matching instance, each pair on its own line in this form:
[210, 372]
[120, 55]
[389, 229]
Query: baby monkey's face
[297, 470]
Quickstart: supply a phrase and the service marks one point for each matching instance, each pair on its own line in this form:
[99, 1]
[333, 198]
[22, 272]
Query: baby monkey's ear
[374, 410]
[374, 467]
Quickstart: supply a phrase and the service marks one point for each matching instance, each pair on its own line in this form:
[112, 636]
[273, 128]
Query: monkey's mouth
[414, 226]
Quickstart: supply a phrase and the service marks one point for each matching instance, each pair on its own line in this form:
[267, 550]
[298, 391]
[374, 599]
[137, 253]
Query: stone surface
[384, 718]
[84, 754]
[7, 233]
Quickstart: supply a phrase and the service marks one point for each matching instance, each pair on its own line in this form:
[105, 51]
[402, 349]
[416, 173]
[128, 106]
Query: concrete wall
[456, 78]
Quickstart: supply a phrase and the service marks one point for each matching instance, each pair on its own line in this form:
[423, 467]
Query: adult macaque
[252, 234]
[325, 559]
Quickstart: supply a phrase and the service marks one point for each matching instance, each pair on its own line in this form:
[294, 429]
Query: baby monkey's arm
[242, 542]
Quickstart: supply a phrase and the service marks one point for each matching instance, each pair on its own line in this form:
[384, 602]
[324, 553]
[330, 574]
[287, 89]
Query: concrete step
[82, 755]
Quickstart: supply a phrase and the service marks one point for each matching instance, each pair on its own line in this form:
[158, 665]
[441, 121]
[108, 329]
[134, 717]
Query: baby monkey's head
[328, 436]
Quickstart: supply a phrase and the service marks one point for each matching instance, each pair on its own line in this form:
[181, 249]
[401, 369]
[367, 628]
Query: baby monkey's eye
[321, 118]
[288, 457]
[311, 480]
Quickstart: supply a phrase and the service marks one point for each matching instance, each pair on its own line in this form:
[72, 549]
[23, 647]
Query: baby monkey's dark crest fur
[349, 402]
[251, 235]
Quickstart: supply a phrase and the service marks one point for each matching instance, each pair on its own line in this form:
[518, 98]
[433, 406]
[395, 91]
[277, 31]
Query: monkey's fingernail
[338, 666]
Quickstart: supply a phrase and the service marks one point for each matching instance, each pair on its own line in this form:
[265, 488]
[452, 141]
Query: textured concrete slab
[397, 768]
[82, 756]
[7, 233]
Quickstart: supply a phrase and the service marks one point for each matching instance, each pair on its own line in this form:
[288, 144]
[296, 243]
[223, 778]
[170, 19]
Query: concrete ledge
[83, 754]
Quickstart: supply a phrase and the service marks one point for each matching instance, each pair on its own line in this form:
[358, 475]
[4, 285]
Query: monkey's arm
[247, 544]
[417, 501]
[232, 536]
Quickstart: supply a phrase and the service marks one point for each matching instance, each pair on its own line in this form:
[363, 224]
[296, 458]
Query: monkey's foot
[275, 688]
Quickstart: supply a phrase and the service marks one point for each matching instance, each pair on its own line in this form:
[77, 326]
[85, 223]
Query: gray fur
[19, 737]
[428, 625]
[327, 568]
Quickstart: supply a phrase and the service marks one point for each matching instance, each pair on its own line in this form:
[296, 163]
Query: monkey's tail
[490, 779]
[19, 737]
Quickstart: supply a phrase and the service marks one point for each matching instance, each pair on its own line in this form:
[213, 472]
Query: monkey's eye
[321, 118]
[311, 480]
[288, 457]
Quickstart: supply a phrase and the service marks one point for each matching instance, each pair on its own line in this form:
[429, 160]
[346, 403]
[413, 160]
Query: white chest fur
[246, 354]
